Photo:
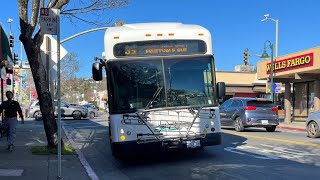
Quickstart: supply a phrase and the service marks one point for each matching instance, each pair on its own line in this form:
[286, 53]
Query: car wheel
[313, 130]
[238, 126]
[271, 129]
[91, 115]
[37, 115]
[76, 115]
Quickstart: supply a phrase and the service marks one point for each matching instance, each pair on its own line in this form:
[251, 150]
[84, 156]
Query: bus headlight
[212, 123]
[121, 131]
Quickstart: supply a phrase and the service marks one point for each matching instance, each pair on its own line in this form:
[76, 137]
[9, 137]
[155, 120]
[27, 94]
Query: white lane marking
[236, 150]
[270, 152]
[94, 126]
[81, 157]
[287, 153]
[11, 172]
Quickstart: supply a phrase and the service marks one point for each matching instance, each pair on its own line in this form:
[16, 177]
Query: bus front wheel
[114, 152]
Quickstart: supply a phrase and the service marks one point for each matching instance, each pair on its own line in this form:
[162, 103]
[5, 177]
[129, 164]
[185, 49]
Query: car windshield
[160, 83]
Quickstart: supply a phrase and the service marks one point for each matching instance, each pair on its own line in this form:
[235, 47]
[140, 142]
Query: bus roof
[154, 31]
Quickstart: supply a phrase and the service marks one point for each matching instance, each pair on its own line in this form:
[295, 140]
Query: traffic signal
[246, 56]
[11, 40]
[15, 59]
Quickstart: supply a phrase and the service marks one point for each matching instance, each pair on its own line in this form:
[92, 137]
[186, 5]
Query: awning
[259, 89]
[5, 52]
[239, 89]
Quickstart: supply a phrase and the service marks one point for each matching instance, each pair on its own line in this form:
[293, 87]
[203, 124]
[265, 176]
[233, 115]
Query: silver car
[93, 111]
[249, 112]
[312, 125]
[67, 110]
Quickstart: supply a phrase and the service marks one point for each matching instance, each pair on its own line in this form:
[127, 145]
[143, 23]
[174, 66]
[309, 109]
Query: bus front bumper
[129, 147]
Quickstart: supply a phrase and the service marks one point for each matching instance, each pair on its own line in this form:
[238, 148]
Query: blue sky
[235, 25]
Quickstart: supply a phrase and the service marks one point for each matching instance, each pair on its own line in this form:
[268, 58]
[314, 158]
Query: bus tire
[114, 152]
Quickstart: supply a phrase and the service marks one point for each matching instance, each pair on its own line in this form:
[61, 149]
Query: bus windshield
[139, 84]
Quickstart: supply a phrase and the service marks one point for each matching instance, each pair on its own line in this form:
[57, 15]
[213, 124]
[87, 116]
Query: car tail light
[275, 109]
[250, 108]
[248, 120]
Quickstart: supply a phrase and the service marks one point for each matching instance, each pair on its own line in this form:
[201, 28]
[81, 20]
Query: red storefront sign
[297, 62]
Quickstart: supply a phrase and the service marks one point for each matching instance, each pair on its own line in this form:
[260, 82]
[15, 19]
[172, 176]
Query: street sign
[52, 54]
[277, 88]
[48, 20]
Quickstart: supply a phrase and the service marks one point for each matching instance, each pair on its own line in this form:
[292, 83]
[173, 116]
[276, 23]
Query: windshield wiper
[154, 97]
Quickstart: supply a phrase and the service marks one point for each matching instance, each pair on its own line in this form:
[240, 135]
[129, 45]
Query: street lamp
[265, 55]
[266, 18]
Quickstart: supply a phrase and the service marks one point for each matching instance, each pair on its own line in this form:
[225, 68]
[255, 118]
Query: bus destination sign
[160, 48]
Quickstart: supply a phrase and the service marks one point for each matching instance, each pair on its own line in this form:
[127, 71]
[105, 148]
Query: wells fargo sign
[291, 63]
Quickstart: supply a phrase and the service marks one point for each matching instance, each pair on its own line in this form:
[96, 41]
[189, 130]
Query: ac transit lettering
[305, 60]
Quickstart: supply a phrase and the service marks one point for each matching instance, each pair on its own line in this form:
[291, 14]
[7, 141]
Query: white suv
[67, 110]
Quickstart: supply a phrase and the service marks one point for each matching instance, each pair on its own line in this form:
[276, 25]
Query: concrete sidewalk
[294, 126]
[22, 164]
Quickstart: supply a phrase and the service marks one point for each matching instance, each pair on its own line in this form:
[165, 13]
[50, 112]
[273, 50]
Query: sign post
[50, 24]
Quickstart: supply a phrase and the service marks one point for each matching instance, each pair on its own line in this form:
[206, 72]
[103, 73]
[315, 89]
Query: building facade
[241, 84]
[300, 74]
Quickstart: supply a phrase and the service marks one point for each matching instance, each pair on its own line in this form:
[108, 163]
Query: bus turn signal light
[122, 138]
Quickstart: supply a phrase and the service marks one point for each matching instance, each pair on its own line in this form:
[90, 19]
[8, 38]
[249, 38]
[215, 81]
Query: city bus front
[164, 101]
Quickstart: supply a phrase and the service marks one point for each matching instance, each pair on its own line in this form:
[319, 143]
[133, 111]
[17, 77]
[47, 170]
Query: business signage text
[302, 61]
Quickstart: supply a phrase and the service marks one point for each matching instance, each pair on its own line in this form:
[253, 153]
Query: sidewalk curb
[292, 128]
[91, 174]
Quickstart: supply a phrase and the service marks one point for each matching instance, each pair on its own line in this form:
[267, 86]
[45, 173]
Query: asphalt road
[254, 154]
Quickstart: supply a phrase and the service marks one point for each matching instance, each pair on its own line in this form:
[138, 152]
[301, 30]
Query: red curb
[292, 128]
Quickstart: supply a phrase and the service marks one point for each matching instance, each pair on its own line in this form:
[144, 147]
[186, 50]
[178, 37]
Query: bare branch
[23, 15]
[58, 4]
[84, 9]
[52, 4]
[34, 14]
[89, 22]
[98, 5]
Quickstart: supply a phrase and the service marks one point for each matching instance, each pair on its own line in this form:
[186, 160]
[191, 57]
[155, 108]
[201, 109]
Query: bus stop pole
[58, 95]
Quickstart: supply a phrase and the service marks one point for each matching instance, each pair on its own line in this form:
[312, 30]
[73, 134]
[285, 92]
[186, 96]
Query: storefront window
[300, 111]
[311, 98]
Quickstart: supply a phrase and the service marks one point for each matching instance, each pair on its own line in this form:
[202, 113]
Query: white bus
[162, 91]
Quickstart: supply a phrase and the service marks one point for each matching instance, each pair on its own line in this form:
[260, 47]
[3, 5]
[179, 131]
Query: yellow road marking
[275, 139]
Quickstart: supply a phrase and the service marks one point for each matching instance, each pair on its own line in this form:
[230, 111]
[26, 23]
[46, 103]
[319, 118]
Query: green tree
[32, 38]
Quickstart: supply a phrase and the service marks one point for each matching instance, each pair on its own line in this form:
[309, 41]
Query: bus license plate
[264, 121]
[193, 144]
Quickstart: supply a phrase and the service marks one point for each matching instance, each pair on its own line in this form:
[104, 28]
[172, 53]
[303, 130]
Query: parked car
[67, 110]
[312, 124]
[249, 112]
[93, 112]
[92, 106]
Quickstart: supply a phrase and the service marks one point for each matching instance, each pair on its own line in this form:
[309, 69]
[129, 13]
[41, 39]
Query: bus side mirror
[97, 71]
[221, 89]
